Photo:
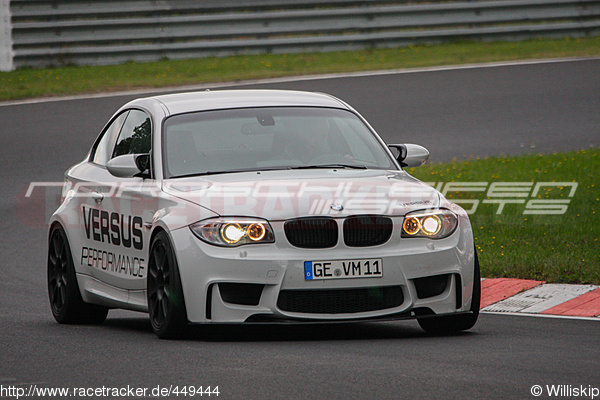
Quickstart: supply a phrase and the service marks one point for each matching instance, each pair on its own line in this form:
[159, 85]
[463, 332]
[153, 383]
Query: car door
[118, 214]
[87, 180]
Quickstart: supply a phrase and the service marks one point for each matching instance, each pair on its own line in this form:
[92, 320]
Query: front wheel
[63, 292]
[450, 324]
[166, 304]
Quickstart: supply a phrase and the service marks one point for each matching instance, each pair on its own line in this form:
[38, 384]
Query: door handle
[98, 197]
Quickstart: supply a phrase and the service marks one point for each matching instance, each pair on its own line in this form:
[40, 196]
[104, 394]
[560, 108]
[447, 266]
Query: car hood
[281, 195]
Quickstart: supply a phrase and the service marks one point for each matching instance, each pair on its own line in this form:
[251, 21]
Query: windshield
[256, 139]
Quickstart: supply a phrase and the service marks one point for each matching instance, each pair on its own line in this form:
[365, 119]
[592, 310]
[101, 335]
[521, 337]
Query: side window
[103, 150]
[136, 135]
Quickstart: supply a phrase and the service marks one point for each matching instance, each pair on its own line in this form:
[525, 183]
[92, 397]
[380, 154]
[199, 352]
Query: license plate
[343, 269]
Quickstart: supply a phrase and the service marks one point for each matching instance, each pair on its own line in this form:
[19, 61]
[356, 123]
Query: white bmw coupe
[256, 206]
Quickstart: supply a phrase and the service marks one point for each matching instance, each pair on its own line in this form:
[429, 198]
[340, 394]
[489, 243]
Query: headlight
[231, 232]
[435, 224]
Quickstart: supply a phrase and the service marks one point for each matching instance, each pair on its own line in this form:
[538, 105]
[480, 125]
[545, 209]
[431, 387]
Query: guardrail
[51, 32]
[6, 56]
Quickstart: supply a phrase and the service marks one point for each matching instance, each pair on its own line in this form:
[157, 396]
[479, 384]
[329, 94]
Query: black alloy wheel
[166, 304]
[63, 292]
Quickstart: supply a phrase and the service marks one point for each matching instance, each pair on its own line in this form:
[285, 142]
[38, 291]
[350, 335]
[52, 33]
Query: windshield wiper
[200, 174]
[231, 171]
[330, 166]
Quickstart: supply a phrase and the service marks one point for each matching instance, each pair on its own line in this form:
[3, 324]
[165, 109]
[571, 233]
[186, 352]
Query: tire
[166, 304]
[449, 324]
[63, 292]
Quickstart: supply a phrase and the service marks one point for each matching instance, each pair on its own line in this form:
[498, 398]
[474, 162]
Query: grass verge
[557, 248]
[28, 82]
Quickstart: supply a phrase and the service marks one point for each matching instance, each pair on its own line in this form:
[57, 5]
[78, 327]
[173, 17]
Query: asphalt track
[459, 113]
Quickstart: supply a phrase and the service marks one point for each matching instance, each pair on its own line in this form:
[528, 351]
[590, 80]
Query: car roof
[226, 99]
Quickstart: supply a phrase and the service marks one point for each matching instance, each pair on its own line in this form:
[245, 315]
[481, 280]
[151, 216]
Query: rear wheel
[63, 292]
[449, 324]
[166, 304]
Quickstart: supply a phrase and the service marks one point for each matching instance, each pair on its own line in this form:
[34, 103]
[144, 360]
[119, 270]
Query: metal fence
[61, 32]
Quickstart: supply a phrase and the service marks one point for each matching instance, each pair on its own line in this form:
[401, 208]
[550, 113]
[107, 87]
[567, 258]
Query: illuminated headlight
[435, 224]
[233, 232]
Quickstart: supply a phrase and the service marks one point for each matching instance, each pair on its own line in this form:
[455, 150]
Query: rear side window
[104, 148]
[136, 134]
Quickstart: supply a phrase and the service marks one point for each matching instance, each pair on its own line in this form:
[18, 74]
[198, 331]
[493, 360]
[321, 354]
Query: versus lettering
[114, 228]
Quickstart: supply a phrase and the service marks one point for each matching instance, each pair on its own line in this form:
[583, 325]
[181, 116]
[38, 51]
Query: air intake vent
[340, 301]
[312, 233]
[367, 230]
[247, 294]
[431, 286]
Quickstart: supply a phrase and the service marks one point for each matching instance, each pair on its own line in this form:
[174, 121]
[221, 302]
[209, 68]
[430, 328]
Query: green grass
[554, 248]
[28, 82]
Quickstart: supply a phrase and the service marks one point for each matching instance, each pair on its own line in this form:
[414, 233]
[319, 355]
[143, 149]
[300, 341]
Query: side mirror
[129, 165]
[410, 155]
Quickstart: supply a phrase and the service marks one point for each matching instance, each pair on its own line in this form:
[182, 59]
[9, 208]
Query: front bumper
[266, 282]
